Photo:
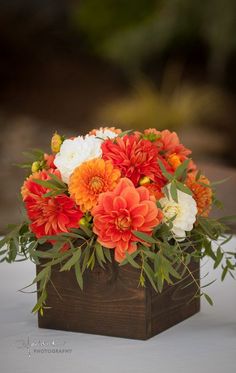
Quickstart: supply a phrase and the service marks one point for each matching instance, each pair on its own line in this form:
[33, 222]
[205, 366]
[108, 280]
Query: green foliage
[55, 185]
[130, 33]
[33, 155]
[17, 243]
[159, 257]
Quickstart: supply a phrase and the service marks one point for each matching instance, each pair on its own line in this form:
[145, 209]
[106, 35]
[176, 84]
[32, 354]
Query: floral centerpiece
[130, 197]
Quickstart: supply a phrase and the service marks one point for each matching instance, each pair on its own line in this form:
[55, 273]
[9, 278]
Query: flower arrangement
[135, 198]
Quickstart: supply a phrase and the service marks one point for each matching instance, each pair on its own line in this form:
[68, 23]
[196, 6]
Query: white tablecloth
[204, 343]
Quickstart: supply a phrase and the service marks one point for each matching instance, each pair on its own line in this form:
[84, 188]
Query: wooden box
[111, 303]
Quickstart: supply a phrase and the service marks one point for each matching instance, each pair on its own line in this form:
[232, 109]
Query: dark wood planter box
[111, 303]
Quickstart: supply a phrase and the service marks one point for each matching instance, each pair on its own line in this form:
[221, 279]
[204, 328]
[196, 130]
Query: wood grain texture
[112, 304]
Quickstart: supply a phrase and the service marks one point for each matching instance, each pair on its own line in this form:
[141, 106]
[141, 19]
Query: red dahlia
[50, 215]
[135, 157]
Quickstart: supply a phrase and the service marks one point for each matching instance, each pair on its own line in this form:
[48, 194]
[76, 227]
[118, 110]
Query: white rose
[184, 211]
[74, 152]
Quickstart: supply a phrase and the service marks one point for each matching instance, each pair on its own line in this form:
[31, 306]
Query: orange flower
[202, 194]
[103, 129]
[154, 190]
[174, 161]
[120, 212]
[168, 143]
[90, 179]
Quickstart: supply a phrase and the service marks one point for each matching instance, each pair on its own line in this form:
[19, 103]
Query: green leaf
[122, 134]
[23, 165]
[107, 254]
[143, 236]
[86, 255]
[208, 284]
[208, 249]
[150, 274]
[183, 188]
[91, 261]
[224, 273]
[181, 169]
[12, 250]
[58, 181]
[218, 182]
[173, 191]
[208, 299]
[163, 169]
[40, 302]
[45, 183]
[53, 193]
[198, 175]
[219, 257]
[131, 261]
[75, 257]
[78, 274]
[99, 252]
[43, 274]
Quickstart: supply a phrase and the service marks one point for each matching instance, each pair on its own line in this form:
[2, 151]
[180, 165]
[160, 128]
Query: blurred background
[74, 65]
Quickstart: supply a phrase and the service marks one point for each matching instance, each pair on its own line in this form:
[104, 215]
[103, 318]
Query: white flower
[104, 133]
[184, 212]
[74, 152]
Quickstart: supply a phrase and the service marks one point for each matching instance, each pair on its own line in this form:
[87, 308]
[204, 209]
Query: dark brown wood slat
[112, 303]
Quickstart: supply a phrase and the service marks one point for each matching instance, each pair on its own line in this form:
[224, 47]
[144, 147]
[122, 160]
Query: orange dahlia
[154, 190]
[135, 157]
[120, 212]
[174, 160]
[168, 143]
[201, 193]
[90, 179]
[104, 129]
[48, 215]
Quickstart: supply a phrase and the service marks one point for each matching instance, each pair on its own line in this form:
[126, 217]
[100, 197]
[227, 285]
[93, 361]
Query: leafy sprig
[55, 185]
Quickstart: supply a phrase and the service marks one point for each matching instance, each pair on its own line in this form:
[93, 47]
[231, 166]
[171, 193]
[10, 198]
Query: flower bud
[144, 180]
[56, 142]
[174, 161]
[84, 222]
[35, 166]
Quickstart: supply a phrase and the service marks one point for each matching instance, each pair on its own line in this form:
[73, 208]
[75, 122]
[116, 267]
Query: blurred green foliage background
[75, 65]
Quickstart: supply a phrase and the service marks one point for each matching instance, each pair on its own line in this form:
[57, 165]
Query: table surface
[204, 343]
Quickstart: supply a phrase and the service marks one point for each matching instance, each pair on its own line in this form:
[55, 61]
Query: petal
[119, 255]
[116, 236]
[152, 212]
[131, 196]
[126, 235]
[143, 193]
[119, 203]
[140, 209]
[108, 202]
[124, 183]
[107, 244]
[137, 221]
